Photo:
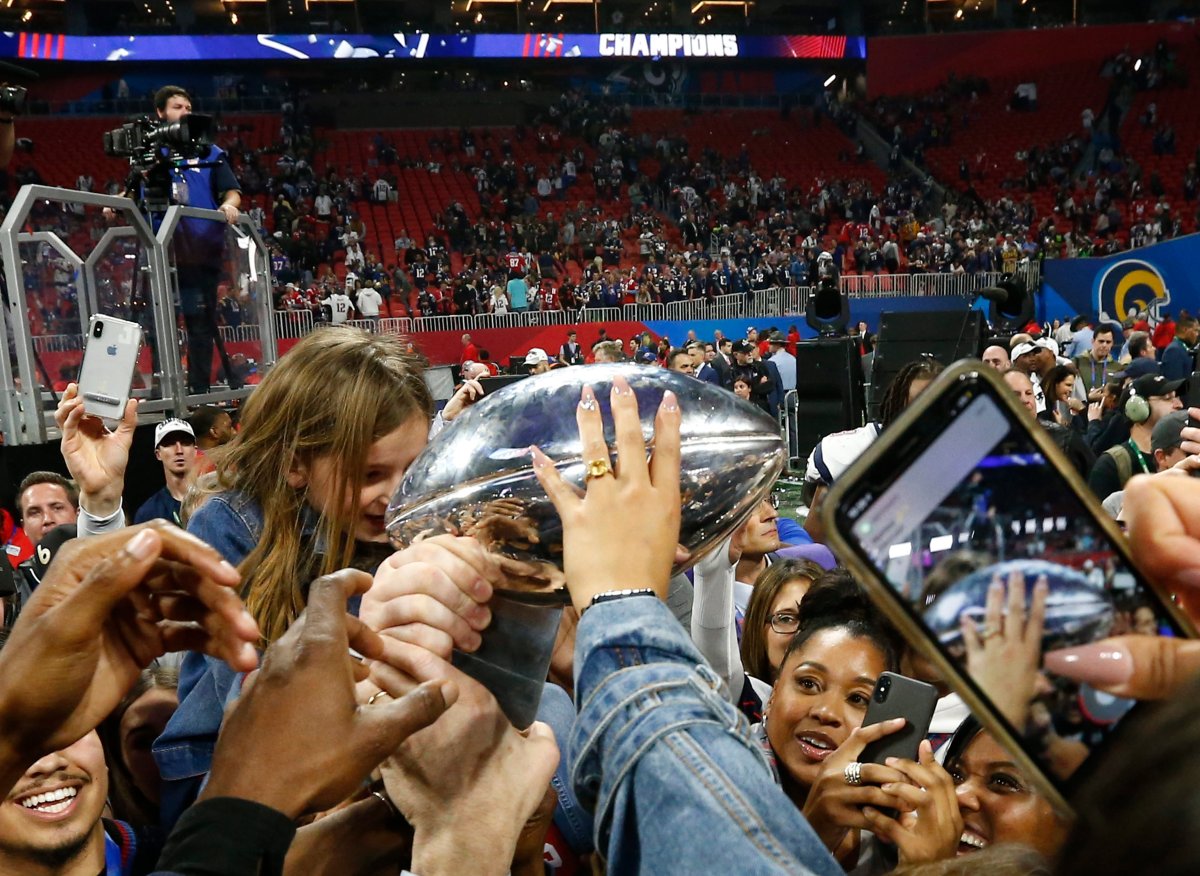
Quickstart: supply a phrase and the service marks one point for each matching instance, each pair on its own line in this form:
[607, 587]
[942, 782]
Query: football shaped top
[476, 477]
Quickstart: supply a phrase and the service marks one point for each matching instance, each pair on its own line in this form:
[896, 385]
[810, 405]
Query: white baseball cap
[536, 356]
[170, 427]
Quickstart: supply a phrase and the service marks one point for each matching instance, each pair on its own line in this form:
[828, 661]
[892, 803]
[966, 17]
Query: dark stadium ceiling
[872, 17]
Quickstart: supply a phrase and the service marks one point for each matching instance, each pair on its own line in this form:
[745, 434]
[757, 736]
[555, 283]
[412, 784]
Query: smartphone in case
[965, 492]
[898, 696]
[109, 360]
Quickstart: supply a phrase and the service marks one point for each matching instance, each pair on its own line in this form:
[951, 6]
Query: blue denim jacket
[231, 523]
[666, 764]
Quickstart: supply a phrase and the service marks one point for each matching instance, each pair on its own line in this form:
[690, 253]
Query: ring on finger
[853, 773]
[379, 693]
[986, 632]
[596, 468]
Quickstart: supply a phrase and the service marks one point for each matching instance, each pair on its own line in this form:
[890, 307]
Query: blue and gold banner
[1157, 279]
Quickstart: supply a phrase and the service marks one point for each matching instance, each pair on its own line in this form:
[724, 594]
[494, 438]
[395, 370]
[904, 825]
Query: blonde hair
[333, 395]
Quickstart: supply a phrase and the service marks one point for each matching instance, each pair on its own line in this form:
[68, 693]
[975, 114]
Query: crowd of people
[1111, 394]
[245, 675]
[177, 692]
[662, 221]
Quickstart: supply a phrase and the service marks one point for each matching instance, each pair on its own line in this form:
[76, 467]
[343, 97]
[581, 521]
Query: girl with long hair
[302, 491]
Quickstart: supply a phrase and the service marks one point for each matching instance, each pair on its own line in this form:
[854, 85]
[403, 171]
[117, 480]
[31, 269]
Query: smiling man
[50, 824]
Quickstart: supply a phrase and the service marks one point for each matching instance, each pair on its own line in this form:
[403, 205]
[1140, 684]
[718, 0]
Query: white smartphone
[109, 360]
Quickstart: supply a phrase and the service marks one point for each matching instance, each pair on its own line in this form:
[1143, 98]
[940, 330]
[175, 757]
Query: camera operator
[8, 136]
[206, 183]
[12, 104]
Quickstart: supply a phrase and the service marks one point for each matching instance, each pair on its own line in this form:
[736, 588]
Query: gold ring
[596, 468]
[377, 695]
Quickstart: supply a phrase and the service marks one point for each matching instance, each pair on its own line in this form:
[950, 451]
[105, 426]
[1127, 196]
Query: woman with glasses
[773, 617]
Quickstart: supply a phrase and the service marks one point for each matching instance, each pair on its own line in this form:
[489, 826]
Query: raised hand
[623, 532]
[106, 608]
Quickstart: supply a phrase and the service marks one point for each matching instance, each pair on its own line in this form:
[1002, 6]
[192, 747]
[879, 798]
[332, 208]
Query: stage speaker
[947, 335]
[829, 393]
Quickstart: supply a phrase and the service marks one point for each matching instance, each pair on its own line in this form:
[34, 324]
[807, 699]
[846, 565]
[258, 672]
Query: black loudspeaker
[829, 393]
[947, 335]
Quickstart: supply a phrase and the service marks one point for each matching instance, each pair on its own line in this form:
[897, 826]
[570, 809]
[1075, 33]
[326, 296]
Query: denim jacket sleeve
[667, 764]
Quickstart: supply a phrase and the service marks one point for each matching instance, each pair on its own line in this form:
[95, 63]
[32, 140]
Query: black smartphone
[1191, 398]
[965, 498]
[898, 696]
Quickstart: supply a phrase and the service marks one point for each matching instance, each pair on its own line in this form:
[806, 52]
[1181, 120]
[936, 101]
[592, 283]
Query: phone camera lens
[98, 330]
[881, 690]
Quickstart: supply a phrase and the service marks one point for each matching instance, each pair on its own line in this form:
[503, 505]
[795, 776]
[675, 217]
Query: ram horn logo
[1131, 285]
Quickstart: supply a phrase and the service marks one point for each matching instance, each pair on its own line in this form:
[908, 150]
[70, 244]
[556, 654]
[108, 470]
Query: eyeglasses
[773, 500]
[784, 622]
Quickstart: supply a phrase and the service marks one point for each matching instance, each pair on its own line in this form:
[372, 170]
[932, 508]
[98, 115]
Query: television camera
[154, 148]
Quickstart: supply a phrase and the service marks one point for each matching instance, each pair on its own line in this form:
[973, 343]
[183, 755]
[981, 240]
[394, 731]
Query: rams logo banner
[1156, 279]
[1131, 285]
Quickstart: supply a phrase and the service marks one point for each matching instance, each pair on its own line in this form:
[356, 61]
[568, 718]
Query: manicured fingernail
[539, 458]
[1098, 663]
[141, 545]
[669, 402]
[1188, 578]
[620, 387]
[587, 399]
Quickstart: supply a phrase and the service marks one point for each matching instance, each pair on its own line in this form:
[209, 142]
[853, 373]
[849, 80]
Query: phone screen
[968, 504]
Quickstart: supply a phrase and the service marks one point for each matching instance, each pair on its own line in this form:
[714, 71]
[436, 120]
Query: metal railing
[919, 285]
[232, 334]
[26, 401]
[57, 343]
[292, 324]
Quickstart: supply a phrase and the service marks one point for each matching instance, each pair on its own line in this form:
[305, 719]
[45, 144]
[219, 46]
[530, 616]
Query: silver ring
[853, 773]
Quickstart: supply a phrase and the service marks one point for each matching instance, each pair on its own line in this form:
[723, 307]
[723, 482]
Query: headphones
[1137, 409]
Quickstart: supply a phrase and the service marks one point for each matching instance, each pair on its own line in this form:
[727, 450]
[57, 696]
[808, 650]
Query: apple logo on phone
[111, 349]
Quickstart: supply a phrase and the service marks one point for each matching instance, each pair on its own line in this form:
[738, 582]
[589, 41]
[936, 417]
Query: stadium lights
[550, 3]
[832, 78]
[703, 4]
[471, 3]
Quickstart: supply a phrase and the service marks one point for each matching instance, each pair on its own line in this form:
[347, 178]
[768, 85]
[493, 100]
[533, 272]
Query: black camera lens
[98, 330]
[881, 689]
